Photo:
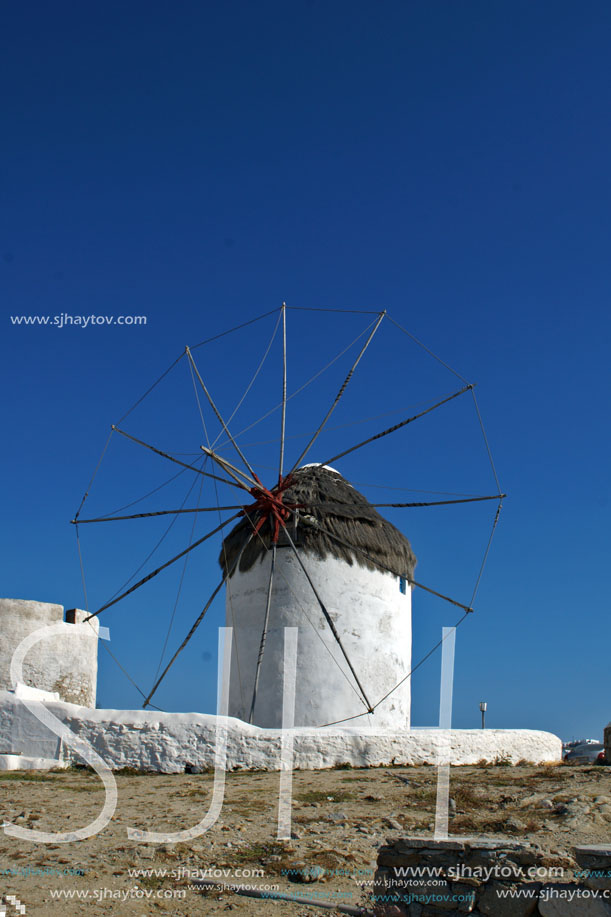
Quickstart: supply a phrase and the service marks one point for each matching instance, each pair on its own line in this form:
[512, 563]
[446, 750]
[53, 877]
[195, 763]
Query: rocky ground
[339, 819]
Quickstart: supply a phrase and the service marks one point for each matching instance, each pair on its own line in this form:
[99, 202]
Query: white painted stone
[26, 763]
[167, 741]
[26, 692]
[372, 617]
[66, 664]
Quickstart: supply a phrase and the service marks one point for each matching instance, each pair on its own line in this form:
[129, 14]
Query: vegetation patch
[273, 856]
[466, 797]
[27, 775]
[246, 806]
[134, 772]
[323, 796]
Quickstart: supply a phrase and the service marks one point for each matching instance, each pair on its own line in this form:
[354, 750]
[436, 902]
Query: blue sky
[199, 164]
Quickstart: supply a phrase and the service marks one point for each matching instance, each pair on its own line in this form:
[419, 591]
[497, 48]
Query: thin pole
[398, 426]
[283, 422]
[231, 330]
[198, 621]
[163, 567]
[141, 442]
[427, 349]
[444, 502]
[151, 387]
[340, 393]
[97, 468]
[466, 608]
[216, 411]
[231, 470]
[160, 512]
[185, 641]
[263, 634]
[329, 621]
[309, 381]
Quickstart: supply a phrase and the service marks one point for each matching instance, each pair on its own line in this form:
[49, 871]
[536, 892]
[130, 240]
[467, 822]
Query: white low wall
[166, 742]
[24, 763]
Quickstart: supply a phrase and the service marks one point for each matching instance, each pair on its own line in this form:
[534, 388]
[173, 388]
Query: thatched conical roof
[335, 507]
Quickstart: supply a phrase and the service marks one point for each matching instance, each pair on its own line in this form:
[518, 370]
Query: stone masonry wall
[422, 877]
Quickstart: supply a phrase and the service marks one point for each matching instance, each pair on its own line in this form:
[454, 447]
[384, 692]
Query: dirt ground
[339, 819]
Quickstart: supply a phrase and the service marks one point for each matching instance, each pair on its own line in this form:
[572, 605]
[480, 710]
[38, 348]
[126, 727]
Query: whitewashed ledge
[26, 763]
[167, 742]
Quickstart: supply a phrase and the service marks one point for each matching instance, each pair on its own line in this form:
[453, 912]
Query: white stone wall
[371, 615]
[66, 663]
[166, 742]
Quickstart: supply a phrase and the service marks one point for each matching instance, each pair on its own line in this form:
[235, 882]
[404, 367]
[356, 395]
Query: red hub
[269, 505]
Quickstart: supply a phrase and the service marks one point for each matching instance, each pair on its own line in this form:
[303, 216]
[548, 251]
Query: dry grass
[486, 798]
[324, 796]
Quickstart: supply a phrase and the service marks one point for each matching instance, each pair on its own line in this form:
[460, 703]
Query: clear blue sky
[199, 163]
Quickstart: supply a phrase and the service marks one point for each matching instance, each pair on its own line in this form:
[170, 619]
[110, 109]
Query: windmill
[307, 549]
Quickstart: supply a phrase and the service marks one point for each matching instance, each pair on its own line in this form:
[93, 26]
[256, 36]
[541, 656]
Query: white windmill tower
[341, 576]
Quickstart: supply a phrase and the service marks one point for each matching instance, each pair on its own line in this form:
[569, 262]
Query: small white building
[348, 551]
[65, 663]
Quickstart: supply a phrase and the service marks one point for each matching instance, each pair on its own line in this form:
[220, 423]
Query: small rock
[515, 824]
[307, 874]
[337, 817]
[532, 801]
